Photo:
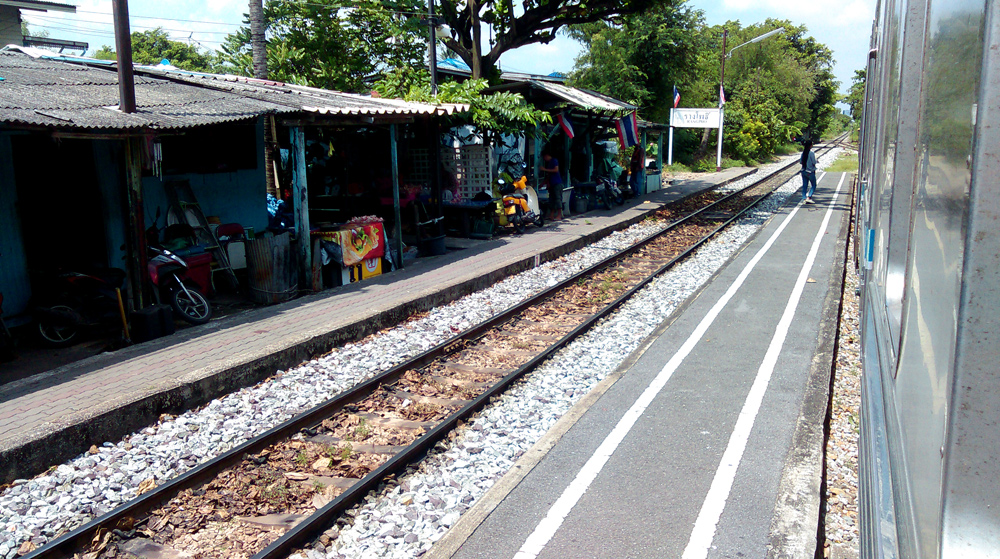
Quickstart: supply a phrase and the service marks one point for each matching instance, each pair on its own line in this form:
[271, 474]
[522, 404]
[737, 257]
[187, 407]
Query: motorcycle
[77, 301]
[168, 273]
[519, 204]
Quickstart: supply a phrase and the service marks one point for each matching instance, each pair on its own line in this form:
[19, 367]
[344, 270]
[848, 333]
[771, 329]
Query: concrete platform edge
[795, 522]
[452, 541]
[42, 450]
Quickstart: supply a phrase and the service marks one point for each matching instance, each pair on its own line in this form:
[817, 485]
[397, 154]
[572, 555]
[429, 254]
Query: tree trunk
[257, 42]
[258, 45]
[477, 47]
[703, 148]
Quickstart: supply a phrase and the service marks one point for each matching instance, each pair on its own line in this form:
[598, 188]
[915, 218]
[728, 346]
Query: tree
[150, 47]
[856, 95]
[532, 21]
[642, 59]
[332, 44]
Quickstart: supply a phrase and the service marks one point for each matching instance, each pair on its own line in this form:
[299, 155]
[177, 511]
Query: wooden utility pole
[123, 46]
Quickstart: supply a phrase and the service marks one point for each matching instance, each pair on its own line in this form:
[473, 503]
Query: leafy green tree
[641, 59]
[856, 95]
[494, 113]
[150, 47]
[332, 44]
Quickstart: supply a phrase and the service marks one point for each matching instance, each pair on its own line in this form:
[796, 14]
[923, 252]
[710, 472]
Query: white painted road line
[547, 528]
[722, 484]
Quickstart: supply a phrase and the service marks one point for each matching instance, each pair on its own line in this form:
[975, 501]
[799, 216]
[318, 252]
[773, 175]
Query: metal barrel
[271, 269]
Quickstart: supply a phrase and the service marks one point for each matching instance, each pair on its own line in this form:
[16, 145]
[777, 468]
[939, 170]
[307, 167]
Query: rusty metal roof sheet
[309, 99]
[53, 92]
[583, 98]
[40, 88]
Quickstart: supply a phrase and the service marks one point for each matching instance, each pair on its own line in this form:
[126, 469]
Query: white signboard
[695, 118]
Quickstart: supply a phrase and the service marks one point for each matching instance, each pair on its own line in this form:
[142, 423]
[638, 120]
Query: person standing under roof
[551, 170]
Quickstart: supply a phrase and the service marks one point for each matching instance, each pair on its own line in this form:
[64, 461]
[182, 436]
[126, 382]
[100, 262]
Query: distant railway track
[305, 473]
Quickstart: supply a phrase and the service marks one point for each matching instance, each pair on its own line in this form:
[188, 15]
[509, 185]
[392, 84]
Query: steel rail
[315, 524]
[71, 542]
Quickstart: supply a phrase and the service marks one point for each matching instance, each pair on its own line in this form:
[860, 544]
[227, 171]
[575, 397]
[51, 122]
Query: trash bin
[271, 269]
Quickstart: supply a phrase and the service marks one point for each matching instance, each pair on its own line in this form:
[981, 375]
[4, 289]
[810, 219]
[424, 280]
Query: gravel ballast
[407, 518]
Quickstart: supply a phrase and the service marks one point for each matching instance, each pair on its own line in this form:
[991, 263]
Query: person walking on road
[808, 162]
[551, 170]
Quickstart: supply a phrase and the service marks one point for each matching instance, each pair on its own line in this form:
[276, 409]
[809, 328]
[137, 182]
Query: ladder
[184, 208]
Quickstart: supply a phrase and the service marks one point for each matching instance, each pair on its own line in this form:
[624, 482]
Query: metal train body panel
[928, 238]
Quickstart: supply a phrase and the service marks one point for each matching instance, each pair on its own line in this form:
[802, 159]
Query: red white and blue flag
[566, 125]
[677, 97]
[722, 96]
[628, 130]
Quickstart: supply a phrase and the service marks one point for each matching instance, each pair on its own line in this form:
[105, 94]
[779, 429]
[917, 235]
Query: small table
[465, 211]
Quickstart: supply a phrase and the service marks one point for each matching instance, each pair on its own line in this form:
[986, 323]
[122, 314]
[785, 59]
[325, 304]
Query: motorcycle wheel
[58, 335]
[619, 198]
[518, 220]
[194, 309]
[606, 197]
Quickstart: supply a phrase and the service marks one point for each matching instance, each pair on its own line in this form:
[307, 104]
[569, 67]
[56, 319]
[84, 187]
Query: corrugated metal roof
[583, 98]
[46, 92]
[46, 89]
[309, 99]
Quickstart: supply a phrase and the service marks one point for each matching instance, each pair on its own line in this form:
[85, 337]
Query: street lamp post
[722, 82]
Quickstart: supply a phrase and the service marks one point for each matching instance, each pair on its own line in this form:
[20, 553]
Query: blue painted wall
[13, 262]
[236, 197]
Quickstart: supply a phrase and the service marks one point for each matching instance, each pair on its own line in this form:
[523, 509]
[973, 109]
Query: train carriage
[928, 250]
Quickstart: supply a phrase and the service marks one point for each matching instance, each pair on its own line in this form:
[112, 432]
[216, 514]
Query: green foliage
[755, 129]
[856, 95]
[641, 59]
[150, 47]
[332, 44]
[496, 112]
[777, 88]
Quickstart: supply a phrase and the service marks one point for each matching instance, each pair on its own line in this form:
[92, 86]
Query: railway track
[290, 484]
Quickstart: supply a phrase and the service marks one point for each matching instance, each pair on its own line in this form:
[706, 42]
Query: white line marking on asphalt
[718, 493]
[575, 490]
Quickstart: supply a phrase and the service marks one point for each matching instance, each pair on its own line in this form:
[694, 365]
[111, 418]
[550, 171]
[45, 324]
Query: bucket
[271, 269]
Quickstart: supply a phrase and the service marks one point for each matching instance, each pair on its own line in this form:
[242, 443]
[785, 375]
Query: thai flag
[567, 126]
[677, 97]
[628, 130]
[722, 96]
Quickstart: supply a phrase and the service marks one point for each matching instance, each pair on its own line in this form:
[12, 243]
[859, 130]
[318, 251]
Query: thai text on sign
[695, 118]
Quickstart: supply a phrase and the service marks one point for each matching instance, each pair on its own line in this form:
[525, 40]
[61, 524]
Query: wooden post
[300, 195]
[537, 155]
[567, 153]
[137, 261]
[659, 151]
[398, 227]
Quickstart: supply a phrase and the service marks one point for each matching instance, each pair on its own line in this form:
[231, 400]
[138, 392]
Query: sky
[842, 25]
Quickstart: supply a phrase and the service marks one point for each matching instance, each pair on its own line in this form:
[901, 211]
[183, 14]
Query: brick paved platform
[51, 417]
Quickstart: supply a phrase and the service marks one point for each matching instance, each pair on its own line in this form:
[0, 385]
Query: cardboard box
[367, 269]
